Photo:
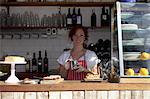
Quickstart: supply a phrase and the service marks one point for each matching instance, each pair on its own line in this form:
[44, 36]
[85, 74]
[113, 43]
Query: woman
[77, 62]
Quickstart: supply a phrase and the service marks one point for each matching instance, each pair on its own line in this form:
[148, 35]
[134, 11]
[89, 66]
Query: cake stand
[12, 78]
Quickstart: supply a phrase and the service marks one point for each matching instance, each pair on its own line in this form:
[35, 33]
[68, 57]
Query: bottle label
[104, 17]
[78, 19]
[69, 21]
[45, 65]
[39, 63]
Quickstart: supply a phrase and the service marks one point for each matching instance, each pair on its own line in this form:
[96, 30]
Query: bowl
[148, 4]
[127, 0]
[126, 15]
[127, 5]
[148, 28]
[146, 16]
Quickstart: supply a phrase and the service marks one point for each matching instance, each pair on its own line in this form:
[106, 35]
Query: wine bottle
[39, 62]
[79, 18]
[34, 63]
[69, 19]
[59, 19]
[28, 65]
[108, 18]
[45, 63]
[104, 17]
[93, 19]
[74, 17]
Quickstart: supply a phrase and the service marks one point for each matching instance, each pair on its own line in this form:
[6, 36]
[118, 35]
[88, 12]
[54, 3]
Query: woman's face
[78, 37]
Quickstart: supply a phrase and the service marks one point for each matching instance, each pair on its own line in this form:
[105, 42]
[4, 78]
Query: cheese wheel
[14, 59]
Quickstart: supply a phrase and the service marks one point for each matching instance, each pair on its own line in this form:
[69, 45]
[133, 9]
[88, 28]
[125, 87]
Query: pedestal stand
[12, 78]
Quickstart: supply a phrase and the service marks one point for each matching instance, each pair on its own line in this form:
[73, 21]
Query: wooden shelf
[40, 27]
[67, 4]
[23, 27]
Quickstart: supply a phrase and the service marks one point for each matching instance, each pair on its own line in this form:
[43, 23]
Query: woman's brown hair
[73, 31]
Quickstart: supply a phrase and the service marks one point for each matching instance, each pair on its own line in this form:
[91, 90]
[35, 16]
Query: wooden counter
[73, 85]
[75, 90]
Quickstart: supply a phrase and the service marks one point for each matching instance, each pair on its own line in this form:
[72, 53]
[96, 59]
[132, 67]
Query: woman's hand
[80, 69]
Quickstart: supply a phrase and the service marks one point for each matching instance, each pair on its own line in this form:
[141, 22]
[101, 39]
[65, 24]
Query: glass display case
[132, 39]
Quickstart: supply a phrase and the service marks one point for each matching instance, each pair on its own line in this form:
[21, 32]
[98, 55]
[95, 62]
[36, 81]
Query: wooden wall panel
[7, 95]
[125, 95]
[66, 94]
[113, 94]
[18, 95]
[146, 94]
[78, 95]
[54, 95]
[42, 95]
[30, 95]
[137, 94]
[90, 95]
[102, 95]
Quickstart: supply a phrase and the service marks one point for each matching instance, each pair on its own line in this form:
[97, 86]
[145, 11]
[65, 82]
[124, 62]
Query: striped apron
[73, 75]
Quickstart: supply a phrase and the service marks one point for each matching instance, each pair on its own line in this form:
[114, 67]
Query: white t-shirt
[90, 57]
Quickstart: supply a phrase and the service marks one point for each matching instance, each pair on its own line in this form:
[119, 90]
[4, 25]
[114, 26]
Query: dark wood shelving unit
[8, 5]
[70, 4]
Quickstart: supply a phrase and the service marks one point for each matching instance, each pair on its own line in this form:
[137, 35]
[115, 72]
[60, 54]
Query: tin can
[73, 64]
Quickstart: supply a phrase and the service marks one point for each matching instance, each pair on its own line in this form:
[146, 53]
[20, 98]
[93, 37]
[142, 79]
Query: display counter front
[75, 90]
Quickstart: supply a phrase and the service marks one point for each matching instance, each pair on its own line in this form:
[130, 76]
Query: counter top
[72, 85]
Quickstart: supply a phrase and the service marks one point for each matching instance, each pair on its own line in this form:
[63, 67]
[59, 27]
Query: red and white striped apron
[73, 75]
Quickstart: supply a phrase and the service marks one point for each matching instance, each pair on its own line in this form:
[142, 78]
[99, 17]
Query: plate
[127, 5]
[131, 56]
[146, 16]
[136, 42]
[126, 15]
[148, 28]
[2, 74]
[129, 27]
[148, 4]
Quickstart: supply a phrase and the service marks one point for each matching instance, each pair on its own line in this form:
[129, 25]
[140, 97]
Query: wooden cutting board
[52, 81]
[92, 80]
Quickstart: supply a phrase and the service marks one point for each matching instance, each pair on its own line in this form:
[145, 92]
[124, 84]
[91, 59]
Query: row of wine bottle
[37, 64]
[76, 18]
[73, 19]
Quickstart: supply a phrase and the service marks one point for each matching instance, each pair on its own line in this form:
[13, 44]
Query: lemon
[144, 72]
[145, 56]
[130, 72]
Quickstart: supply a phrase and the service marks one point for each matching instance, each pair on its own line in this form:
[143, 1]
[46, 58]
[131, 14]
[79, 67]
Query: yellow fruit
[130, 72]
[145, 56]
[144, 72]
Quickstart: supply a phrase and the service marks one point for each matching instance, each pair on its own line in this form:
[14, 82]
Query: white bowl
[148, 4]
[129, 26]
[148, 28]
[146, 16]
[125, 15]
[127, 5]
